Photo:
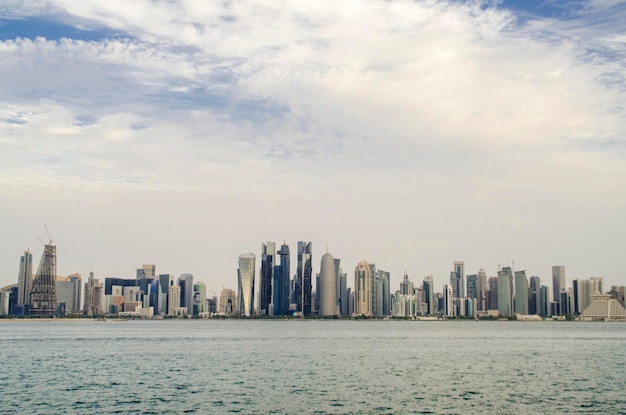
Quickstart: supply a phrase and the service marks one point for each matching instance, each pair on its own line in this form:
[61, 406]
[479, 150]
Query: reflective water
[335, 367]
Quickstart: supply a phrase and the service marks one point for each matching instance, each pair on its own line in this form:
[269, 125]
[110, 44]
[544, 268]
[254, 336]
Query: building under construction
[43, 293]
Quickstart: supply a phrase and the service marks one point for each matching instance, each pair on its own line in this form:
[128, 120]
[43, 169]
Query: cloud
[430, 124]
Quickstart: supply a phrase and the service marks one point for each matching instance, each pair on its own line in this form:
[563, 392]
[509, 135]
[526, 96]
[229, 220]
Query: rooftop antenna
[88, 267]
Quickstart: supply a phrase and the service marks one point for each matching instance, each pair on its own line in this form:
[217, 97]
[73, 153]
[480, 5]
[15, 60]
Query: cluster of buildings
[270, 289]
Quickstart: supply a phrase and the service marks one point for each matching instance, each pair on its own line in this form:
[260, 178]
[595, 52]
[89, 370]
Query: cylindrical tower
[328, 286]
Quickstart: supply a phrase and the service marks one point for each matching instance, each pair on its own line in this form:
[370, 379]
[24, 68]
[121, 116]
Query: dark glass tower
[281, 282]
[268, 259]
[303, 278]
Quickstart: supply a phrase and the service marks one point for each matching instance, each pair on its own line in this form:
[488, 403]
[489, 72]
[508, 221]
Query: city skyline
[406, 134]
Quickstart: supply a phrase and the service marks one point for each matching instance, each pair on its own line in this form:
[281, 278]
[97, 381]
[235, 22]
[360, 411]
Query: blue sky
[409, 134]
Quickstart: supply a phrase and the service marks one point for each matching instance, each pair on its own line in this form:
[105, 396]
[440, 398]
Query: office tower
[173, 303]
[199, 298]
[163, 285]
[504, 293]
[363, 289]
[25, 278]
[68, 293]
[147, 271]
[342, 288]
[472, 286]
[459, 276]
[383, 293]
[212, 305]
[228, 299]
[521, 293]
[185, 282]
[406, 286]
[617, 293]
[483, 289]
[558, 282]
[546, 300]
[328, 286]
[492, 296]
[304, 273]
[373, 291]
[565, 305]
[266, 277]
[281, 282]
[448, 304]
[94, 290]
[42, 294]
[429, 295]
[534, 296]
[245, 280]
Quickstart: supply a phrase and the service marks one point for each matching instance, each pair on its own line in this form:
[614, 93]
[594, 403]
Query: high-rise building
[174, 296]
[558, 282]
[504, 293]
[448, 301]
[492, 297]
[304, 273]
[521, 293]
[328, 286]
[163, 290]
[266, 277]
[228, 299]
[483, 289]
[94, 291]
[383, 294]
[185, 282]
[459, 283]
[429, 295]
[199, 298]
[544, 310]
[342, 288]
[472, 286]
[281, 282]
[363, 289]
[245, 280]
[406, 286]
[534, 296]
[68, 294]
[25, 278]
[147, 271]
[43, 294]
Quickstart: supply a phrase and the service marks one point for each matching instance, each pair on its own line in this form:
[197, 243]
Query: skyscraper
[43, 293]
[342, 288]
[504, 293]
[558, 282]
[174, 296]
[483, 289]
[228, 299]
[472, 286]
[429, 295]
[328, 286]
[199, 298]
[534, 296]
[185, 282]
[94, 291]
[363, 289]
[459, 272]
[25, 278]
[521, 293]
[303, 278]
[245, 279]
[266, 277]
[281, 282]
[383, 294]
[492, 297]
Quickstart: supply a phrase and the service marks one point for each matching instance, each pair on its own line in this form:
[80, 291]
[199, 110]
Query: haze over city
[407, 134]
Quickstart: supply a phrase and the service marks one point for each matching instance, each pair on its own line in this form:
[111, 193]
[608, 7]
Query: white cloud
[419, 132]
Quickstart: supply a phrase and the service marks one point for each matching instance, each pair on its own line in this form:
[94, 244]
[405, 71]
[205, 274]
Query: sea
[311, 367]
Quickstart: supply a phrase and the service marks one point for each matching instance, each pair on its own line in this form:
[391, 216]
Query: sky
[410, 134]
